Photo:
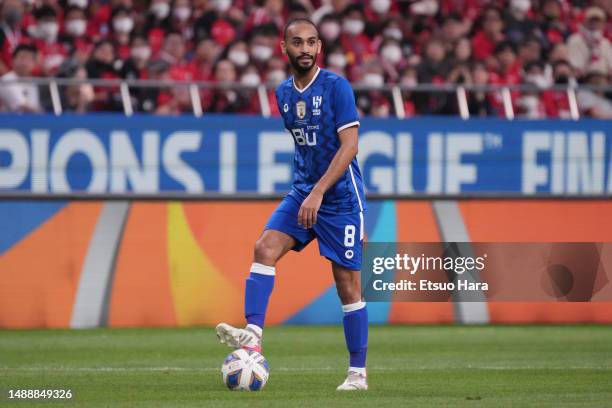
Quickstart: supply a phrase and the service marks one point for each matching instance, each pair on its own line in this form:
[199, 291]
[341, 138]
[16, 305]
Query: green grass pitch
[418, 366]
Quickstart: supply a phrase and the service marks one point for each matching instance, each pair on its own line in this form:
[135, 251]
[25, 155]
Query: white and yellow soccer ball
[245, 370]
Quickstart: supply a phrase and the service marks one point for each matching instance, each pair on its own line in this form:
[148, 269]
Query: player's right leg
[269, 248]
[281, 234]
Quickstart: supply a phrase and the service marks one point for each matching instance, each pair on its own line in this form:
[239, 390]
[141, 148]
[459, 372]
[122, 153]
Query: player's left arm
[349, 140]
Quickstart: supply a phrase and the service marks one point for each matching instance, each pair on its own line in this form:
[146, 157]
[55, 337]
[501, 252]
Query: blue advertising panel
[108, 153]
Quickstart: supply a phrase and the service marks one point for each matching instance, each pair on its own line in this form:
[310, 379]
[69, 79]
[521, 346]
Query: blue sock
[356, 333]
[259, 286]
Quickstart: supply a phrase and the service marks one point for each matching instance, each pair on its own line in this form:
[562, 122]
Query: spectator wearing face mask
[74, 36]
[589, 46]
[329, 31]
[122, 26]
[181, 18]
[158, 23]
[238, 53]
[556, 103]
[262, 45]
[391, 57]
[206, 53]
[530, 104]
[377, 13]
[373, 101]
[20, 97]
[518, 21]
[335, 60]
[11, 14]
[357, 45]
[250, 79]
[593, 102]
[46, 33]
[135, 66]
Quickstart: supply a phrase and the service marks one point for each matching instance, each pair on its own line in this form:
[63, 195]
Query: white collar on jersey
[310, 83]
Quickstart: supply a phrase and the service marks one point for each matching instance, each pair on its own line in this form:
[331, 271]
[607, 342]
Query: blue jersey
[314, 116]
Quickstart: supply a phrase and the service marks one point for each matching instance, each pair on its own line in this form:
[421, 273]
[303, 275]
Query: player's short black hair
[299, 20]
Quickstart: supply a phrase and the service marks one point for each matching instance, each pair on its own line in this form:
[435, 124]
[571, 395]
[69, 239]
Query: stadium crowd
[371, 42]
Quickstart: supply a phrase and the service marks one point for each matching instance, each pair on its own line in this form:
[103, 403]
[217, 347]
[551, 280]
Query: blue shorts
[340, 236]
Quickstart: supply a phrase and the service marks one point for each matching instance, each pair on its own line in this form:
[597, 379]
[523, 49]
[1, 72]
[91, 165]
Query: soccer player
[326, 200]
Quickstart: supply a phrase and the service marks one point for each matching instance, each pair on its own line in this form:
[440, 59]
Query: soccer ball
[245, 370]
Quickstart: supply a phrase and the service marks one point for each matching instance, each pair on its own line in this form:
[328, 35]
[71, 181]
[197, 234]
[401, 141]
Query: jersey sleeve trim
[348, 125]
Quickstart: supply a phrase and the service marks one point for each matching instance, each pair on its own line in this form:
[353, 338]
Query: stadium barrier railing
[395, 91]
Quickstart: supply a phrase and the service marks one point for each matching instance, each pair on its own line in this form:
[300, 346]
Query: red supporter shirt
[482, 46]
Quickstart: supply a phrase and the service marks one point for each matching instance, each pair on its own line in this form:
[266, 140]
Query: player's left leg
[355, 321]
[340, 240]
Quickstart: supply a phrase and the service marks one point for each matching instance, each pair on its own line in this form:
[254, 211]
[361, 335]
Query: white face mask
[337, 60]
[330, 31]
[276, 76]
[47, 31]
[352, 26]
[161, 10]
[142, 52]
[538, 80]
[261, 52]
[182, 13]
[393, 32]
[123, 25]
[391, 53]
[78, 3]
[76, 27]
[250, 79]
[239, 58]
[374, 80]
[381, 6]
[223, 5]
[522, 6]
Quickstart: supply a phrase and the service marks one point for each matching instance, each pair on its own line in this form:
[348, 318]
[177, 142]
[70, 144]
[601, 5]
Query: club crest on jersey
[300, 109]
[285, 108]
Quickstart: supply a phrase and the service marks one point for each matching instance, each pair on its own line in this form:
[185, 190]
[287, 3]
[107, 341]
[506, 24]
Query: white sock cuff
[353, 306]
[255, 329]
[263, 269]
[358, 370]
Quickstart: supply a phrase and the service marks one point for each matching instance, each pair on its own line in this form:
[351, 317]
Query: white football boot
[236, 338]
[354, 381]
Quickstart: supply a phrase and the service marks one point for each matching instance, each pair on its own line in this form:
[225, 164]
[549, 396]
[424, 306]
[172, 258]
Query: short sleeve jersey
[314, 116]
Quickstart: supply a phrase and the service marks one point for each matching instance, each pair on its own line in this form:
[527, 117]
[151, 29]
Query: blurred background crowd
[371, 42]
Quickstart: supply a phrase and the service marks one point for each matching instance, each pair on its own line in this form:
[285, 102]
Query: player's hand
[307, 216]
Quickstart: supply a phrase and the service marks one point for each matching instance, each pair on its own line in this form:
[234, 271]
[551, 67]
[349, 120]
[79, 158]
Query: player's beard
[299, 67]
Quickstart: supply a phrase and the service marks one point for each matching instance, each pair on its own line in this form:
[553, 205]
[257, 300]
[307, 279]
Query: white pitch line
[292, 369]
